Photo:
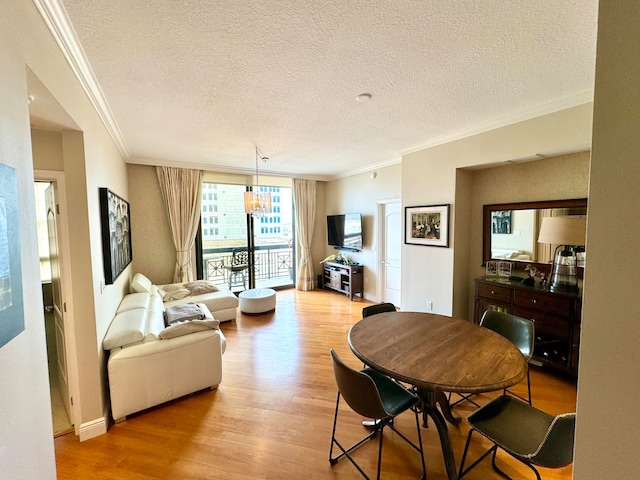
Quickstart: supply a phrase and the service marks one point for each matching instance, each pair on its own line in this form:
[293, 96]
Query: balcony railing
[273, 265]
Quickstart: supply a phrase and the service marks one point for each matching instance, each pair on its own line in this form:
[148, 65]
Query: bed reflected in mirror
[510, 230]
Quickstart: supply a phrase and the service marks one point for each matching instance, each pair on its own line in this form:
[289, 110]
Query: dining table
[437, 354]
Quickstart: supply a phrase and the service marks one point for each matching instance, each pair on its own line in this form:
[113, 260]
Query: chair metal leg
[503, 474]
[462, 471]
[380, 425]
[528, 398]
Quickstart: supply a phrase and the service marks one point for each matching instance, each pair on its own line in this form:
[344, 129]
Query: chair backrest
[520, 331]
[557, 448]
[358, 390]
[378, 308]
[239, 257]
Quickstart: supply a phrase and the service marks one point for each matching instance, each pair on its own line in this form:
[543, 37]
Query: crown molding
[154, 162]
[58, 23]
[521, 116]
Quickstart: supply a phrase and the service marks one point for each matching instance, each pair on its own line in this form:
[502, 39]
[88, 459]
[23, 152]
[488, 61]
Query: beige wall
[609, 372]
[47, 150]
[429, 177]
[562, 177]
[154, 254]
[360, 194]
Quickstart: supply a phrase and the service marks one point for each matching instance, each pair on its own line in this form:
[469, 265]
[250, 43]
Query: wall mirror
[510, 230]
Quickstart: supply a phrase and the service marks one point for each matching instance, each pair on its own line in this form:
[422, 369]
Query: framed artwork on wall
[501, 222]
[427, 225]
[116, 234]
[11, 301]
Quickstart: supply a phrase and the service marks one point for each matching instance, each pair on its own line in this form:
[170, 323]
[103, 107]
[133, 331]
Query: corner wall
[609, 371]
[563, 177]
[90, 160]
[429, 177]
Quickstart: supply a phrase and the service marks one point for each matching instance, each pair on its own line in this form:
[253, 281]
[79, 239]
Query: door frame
[381, 206]
[64, 250]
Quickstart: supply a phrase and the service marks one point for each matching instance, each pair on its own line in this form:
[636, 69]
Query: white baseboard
[92, 429]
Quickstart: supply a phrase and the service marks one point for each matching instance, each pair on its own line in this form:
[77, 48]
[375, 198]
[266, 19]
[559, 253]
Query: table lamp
[568, 233]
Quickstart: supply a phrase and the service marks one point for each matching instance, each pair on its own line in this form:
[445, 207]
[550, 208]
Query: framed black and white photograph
[501, 221]
[427, 225]
[116, 234]
[11, 301]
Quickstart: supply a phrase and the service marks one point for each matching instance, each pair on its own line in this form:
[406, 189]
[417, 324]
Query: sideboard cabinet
[343, 278]
[556, 318]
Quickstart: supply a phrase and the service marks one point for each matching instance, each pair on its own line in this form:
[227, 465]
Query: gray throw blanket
[184, 312]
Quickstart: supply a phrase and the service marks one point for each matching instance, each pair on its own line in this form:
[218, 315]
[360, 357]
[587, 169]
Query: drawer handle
[493, 292]
[534, 301]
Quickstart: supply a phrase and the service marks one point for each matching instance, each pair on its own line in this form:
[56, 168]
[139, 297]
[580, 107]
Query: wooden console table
[556, 317]
[343, 278]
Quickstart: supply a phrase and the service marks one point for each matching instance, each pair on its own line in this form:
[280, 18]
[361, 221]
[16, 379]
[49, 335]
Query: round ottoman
[257, 300]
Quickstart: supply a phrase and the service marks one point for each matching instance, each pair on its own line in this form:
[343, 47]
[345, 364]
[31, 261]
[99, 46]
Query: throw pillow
[176, 294]
[200, 287]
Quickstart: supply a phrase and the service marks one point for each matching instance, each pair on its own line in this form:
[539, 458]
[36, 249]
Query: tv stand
[343, 278]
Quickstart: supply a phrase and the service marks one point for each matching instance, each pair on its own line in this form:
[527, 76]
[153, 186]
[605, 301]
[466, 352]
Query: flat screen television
[345, 231]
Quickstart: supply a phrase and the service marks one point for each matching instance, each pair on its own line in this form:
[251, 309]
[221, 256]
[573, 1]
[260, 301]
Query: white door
[58, 301]
[391, 251]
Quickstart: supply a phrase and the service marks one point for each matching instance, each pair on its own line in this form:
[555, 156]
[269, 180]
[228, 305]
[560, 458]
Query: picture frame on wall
[501, 222]
[115, 217]
[427, 225]
[11, 298]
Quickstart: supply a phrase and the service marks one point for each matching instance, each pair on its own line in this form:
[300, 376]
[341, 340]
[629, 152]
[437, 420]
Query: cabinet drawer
[496, 293]
[544, 322]
[542, 301]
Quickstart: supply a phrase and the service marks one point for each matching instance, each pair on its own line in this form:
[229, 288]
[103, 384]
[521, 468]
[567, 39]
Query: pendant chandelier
[257, 203]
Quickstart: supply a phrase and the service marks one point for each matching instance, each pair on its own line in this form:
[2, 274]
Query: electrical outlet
[429, 305]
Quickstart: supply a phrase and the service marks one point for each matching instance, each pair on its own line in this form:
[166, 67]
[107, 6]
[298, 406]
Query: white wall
[429, 177]
[26, 446]
[90, 160]
[609, 371]
[360, 194]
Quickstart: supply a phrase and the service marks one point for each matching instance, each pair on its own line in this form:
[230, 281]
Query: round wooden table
[437, 354]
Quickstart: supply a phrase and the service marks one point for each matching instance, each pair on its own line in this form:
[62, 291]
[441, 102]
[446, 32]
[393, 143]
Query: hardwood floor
[272, 415]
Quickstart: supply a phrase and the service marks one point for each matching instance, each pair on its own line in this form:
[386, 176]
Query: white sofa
[150, 364]
[222, 303]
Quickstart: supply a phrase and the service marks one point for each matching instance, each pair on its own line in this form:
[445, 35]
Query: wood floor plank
[272, 415]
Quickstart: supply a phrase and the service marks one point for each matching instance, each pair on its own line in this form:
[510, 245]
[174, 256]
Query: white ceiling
[201, 82]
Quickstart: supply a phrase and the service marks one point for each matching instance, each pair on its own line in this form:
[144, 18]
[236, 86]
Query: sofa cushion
[178, 329]
[140, 284]
[126, 328]
[133, 301]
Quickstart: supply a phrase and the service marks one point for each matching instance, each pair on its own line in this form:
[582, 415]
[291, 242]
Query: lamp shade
[567, 230]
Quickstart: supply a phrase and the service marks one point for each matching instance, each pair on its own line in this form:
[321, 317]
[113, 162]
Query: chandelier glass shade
[257, 203]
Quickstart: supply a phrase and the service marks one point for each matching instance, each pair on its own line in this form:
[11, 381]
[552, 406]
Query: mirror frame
[486, 223]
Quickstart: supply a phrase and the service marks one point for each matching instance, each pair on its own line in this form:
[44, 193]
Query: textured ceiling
[203, 82]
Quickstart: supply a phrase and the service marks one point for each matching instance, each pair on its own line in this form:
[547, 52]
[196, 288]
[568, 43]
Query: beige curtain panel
[304, 201]
[182, 194]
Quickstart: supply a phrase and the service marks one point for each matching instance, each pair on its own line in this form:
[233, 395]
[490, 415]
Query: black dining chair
[378, 308]
[520, 331]
[528, 434]
[372, 395]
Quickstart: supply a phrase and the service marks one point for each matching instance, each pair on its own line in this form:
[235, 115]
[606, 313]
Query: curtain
[304, 202]
[182, 194]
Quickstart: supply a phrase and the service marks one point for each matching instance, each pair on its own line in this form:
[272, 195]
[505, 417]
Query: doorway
[51, 253]
[389, 250]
